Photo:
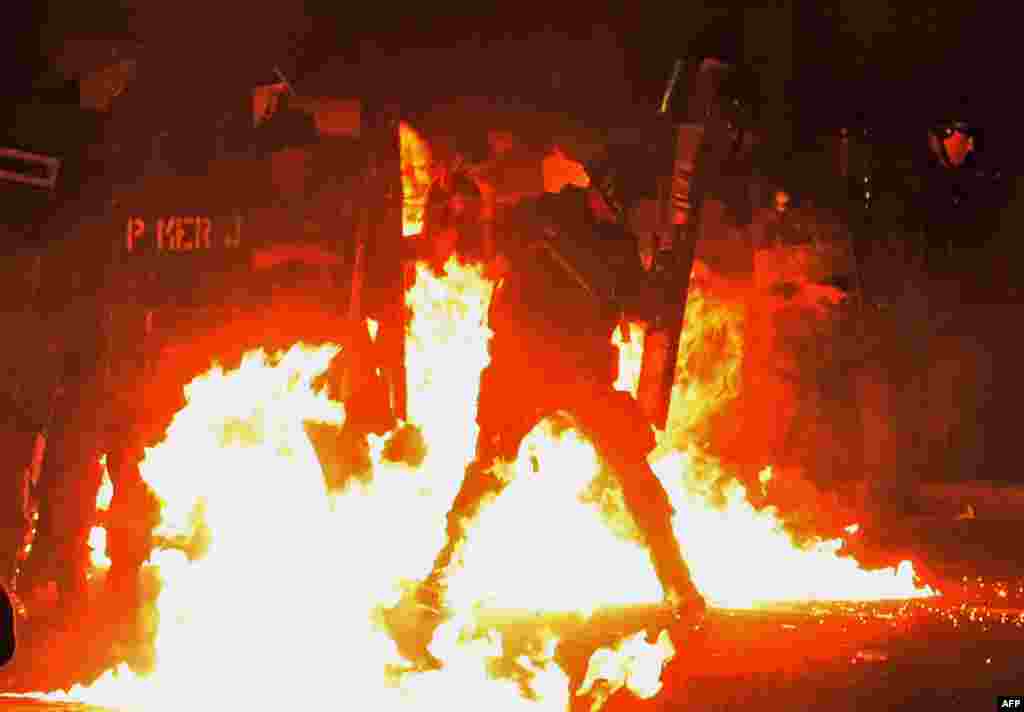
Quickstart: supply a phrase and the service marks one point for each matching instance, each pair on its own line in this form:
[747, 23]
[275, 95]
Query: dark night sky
[890, 41]
[898, 67]
[891, 66]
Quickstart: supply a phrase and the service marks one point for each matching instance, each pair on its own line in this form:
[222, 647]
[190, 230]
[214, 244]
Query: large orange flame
[739, 556]
[282, 608]
[288, 589]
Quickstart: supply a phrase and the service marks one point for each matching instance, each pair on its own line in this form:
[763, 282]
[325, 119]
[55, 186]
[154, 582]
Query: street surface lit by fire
[284, 602]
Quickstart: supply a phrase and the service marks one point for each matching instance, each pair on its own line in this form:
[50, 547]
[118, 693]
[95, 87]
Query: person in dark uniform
[18, 437]
[572, 275]
[8, 634]
[459, 214]
[133, 515]
[945, 200]
[70, 479]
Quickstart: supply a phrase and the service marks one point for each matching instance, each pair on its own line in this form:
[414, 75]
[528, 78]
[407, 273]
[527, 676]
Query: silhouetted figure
[452, 223]
[17, 442]
[68, 486]
[944, 209]
[7, 633]
[572, 270]
[133, 515]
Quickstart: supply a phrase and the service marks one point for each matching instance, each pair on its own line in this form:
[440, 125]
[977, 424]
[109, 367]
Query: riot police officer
[573, 272]
[945, 201]
[7, 627]
[70, 478]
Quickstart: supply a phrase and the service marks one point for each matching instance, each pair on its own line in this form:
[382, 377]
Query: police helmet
[945, 128]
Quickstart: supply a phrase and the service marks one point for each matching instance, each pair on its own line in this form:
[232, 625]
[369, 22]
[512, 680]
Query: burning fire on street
[273, 590]
[287, 600]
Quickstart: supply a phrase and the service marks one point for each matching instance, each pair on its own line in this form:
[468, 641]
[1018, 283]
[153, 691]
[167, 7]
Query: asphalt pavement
[955, 652]
[934, 655]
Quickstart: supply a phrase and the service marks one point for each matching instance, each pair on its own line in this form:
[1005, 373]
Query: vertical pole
[392, 226]
[385, 292]
[673, 261]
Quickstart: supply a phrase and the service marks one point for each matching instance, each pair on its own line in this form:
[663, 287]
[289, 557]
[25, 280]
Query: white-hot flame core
[106, 494]
[535, 548]
[633, 663]
[98, 534]
[631, 353]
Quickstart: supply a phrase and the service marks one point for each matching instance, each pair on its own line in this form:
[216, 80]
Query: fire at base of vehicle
[456, 347]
